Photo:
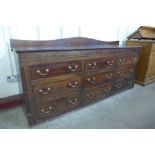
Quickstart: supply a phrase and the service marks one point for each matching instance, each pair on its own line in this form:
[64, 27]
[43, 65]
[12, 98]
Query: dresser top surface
[68, 44]
[52, 49]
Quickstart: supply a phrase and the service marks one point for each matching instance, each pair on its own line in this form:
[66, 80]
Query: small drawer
[47, 91]
[99, 78]
[127, 59]
[125, 71]
[97, 64]
[54, 69]
[99, 92]
[58, 106]
[127, 83]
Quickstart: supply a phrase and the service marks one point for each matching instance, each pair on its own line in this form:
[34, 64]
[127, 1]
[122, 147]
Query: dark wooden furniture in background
[146, 64]
[63, 75]
[143, 32]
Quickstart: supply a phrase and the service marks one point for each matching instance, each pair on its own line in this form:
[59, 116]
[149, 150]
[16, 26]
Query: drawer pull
[47, 111]
[107, 90]
[92, 80]
[43, 74]
[90, 96]
[109, 76]
[119, 85]
[110, 62]
[134, 59]
[132, 70]
[45, 92]
[122, 61]
[120, 73]
[73, 68]
[73, 84]
[92, 65]
[130, 82]
[74, 101]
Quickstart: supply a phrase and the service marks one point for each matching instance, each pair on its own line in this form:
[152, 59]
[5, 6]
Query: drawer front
[54, 69]
[97, 64]
[48, 91]
[127, 83]
[125, 71]
[99, 78]
[127, 59]
[58, 106]
[97, 93]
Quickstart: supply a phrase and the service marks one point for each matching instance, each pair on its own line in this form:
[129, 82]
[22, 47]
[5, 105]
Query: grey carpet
[132, 109]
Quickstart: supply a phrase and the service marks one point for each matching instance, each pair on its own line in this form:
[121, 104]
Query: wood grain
[145, 72]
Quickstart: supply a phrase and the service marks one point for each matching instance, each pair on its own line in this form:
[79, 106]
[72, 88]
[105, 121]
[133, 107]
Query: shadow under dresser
[62, 75]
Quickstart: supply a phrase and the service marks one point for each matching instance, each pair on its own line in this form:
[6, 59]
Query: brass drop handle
[110, 62]
[92, 65]
[109, 76]
[122, 61]
[47, 111]
[130, 82]
[45, 92]
[73, 68]
[119, 85]
[43, 74]
[134, 59]
[120, 73]
[90, 96]
[132, 70]
[92, 80]
[73, 84]
[107, 90]
[74, 101]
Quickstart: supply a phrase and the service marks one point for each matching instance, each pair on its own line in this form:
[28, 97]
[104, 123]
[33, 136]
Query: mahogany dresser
[145, 37]
[62, 75]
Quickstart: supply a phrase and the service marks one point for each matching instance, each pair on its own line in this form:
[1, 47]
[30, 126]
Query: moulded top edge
[72, 48]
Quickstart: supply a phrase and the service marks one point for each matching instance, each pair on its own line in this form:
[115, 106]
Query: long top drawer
[39, 71]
